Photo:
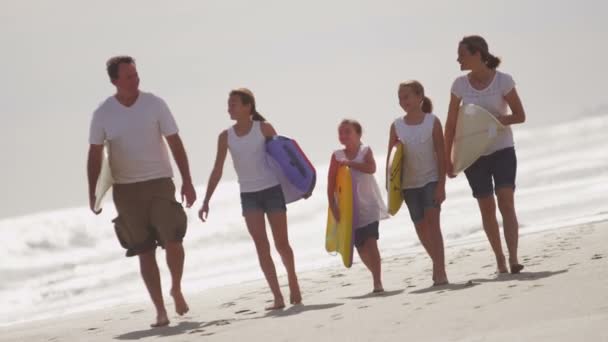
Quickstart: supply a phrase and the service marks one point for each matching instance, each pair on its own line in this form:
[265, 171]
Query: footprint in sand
[92, 329]
[196, 331]
[251, 313]
[207, 334]
[336, 317]
[477, 307]
[511, 286]
[405, 304]
[573, 264]
[597, 257]
[137, 311]
[363, 307]
[227, 305]
[241, 311]
[337, 275]
[346, 284]
[487, 266]
[221, 322]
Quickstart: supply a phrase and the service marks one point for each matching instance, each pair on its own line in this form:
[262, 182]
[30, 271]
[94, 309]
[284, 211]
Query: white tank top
[249, 157]
[419, 159]
[368, 200]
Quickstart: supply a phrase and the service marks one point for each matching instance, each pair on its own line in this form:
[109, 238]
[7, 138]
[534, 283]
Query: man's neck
[127, 99]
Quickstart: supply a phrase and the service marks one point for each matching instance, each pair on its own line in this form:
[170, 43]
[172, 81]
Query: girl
[423, 177]
[370, 207]
[492, 90]
[260, 190]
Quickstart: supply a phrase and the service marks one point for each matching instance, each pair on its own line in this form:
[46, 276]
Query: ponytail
[492, 61]
[255, 116]
[427, 105]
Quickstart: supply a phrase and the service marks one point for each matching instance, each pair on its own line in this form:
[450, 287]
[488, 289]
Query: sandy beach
[560, 296]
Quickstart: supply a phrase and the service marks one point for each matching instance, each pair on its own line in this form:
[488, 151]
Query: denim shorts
[268, 200]
[420, 199]
[362, 234]
[500, 167]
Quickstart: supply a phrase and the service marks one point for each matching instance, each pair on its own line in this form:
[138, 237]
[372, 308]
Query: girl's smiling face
[408, 99]
[348, 135]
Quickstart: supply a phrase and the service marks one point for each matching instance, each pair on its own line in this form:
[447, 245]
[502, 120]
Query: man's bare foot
[378, 290]
[161, 321]
[181, 307]
[277, 305]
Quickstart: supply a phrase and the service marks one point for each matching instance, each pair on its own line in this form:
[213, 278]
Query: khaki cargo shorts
[148, 215]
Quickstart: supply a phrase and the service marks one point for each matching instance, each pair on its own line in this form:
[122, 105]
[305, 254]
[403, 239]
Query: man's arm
[93, 170]
[181, 159]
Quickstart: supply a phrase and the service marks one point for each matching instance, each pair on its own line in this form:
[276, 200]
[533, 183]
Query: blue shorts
[500, 166]
[420, 199]
[267, 200]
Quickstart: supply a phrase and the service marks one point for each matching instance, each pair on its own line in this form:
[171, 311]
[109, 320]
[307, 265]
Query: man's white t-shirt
[492, 99]
[137, 150]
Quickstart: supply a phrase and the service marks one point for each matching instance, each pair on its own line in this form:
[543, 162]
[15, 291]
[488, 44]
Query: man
[133, 123]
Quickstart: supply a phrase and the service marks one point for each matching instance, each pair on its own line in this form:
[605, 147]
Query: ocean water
[68, 260]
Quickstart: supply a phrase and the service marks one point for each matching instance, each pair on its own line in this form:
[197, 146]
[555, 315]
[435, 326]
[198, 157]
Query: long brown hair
[478, 44]
[427, 104]
[247, 98]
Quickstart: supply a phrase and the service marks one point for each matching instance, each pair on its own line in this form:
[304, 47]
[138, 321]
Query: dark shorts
[492, 172]
[367, 232]
[267, 200]
[148, 215]
[420, 199]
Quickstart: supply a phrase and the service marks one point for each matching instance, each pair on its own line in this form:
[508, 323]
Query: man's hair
[113, 63]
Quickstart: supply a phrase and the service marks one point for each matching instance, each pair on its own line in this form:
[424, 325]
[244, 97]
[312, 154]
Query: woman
[493, 174]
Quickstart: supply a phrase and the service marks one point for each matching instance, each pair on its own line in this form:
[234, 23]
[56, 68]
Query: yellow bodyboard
[393, 179]
[339, 235]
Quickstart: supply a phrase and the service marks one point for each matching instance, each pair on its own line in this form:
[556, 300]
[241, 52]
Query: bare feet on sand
[516, 268]
[295, 297]
[181, 307]
[501, 265]
[161, 321]
[277, 305]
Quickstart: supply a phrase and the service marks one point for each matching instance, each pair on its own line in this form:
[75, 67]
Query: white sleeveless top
[368, 201]
[249, 158]
[419, 159]
[492, 98]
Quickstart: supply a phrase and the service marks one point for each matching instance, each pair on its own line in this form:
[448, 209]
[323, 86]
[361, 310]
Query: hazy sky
[310, 63]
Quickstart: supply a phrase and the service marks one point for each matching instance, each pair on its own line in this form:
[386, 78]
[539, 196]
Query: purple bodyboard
[296, 173]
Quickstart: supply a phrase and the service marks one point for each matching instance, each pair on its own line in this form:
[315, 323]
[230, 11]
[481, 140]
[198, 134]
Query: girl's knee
[283, 248]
